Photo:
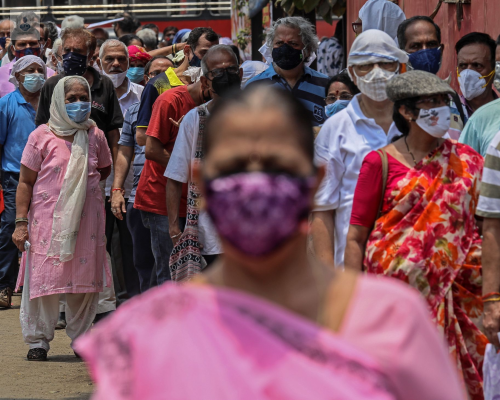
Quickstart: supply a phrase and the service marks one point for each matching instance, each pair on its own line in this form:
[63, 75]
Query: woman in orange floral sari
[413, 218]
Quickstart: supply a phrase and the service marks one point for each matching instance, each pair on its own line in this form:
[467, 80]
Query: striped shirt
[310, 90]
[127, 138]
[489, 199]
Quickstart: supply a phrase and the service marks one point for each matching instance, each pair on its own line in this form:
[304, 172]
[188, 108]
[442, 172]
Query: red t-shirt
[151, 194]
[369, 188]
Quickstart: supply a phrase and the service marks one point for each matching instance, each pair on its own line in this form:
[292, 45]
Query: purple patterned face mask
[257, 212]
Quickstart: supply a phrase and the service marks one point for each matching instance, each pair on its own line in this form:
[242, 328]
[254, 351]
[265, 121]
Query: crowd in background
[134, 160]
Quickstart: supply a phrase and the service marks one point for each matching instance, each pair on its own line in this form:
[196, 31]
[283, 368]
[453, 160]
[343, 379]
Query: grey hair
[112, 43]
[306, 29]
[74, 80]
[72, 21]
[219, 48]
[148, 36]
[57, 46]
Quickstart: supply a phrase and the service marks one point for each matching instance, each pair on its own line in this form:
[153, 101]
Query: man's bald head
[215, 54]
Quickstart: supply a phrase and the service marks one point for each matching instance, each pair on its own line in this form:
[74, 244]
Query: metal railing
[162, 10]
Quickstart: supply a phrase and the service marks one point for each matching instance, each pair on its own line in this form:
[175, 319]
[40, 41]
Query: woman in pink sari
[266, 322]
[425, 234]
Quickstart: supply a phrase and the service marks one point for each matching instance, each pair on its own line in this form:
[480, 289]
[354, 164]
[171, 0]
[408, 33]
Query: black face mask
[286, 57]
[225, 83]
[74, 64]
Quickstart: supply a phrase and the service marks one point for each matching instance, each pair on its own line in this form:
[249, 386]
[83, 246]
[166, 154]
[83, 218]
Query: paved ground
[63, 376]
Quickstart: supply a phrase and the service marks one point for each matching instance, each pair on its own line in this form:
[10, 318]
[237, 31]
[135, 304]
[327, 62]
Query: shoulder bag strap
[385, 170]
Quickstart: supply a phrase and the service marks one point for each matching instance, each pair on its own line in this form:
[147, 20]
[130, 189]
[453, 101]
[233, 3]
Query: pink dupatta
[200, 342]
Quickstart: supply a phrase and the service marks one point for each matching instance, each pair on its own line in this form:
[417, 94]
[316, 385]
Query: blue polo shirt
[310, 90]
[17, 121]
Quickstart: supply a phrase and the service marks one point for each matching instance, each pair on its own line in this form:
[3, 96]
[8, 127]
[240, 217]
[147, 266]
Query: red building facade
[478, 15]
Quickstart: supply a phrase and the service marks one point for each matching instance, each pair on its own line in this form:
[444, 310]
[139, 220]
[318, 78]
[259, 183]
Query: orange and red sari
[427, 237]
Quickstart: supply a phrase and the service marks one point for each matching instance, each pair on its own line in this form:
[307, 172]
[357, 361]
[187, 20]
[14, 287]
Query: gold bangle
[173, 49]
[492, 299]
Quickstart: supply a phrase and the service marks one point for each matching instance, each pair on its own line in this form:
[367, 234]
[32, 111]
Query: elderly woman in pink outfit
[265, 322]
[60, 218]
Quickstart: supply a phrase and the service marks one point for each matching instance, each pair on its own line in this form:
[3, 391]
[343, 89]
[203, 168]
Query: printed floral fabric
[330, 56]
[428, 238]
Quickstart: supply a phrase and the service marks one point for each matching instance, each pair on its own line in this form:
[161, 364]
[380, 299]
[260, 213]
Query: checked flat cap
[415, 84]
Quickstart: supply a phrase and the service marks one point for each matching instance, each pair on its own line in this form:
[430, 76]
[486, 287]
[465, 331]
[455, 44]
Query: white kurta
[342, 144]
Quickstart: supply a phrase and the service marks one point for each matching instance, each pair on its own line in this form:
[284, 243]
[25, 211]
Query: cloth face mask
[136, 74]
[117, 79]
[30, 51]
[223, 84]
[286, 57]
[435, 121]
[33, 82]
[79, 111]
[373, 84]
[74, 64]
[472, 84]
[339, 105]
[258, 212]
[3, 41]
[428, 60]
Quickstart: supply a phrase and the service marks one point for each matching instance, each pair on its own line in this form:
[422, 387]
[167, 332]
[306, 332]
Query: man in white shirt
[347, 137]
[220, 73]
[114, 63]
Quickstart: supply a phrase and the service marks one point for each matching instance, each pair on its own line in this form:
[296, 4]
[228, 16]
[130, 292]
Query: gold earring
[410, 119]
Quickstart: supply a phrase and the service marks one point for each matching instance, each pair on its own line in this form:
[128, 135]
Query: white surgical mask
[435, 121]
[373, 84]
[117, 79]
[472, 84]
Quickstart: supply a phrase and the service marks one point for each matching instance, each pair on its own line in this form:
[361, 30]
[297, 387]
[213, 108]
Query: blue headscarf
[180, 35]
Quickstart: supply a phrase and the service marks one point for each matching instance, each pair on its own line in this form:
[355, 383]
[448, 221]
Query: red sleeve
[368, 191]
[160, 126]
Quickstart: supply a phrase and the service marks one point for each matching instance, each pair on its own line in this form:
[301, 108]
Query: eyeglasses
[388, 66]
[218, 72]
[355, 25]
[343, 96]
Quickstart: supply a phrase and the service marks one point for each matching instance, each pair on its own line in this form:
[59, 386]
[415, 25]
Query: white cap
[375, 46]
[383, 15]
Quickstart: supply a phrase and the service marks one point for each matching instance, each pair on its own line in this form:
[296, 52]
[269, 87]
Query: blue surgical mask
[428, 60]
[339, 105]
[136, 74]
[33, 82]
[79, 111]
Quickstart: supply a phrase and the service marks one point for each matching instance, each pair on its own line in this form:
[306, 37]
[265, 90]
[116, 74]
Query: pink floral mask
[257, 212]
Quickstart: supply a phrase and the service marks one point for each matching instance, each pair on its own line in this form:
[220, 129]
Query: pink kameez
[49, 156]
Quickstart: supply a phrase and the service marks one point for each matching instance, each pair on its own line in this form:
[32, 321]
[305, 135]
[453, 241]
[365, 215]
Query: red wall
[480, 16]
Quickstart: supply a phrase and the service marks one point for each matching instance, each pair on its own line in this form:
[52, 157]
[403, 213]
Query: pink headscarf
[137, 53]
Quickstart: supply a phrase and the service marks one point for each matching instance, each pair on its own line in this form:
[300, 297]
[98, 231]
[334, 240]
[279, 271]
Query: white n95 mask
[373, 84]
[435, 121]
[472, 84]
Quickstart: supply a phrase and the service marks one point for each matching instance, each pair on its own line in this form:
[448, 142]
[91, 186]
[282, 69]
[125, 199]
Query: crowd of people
[322, 232]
